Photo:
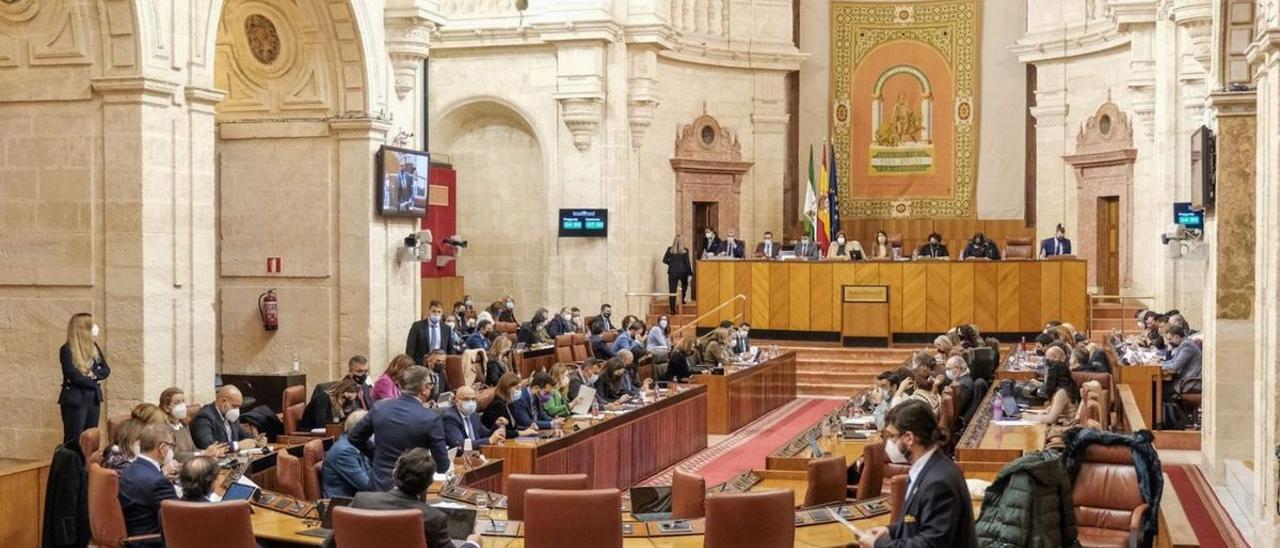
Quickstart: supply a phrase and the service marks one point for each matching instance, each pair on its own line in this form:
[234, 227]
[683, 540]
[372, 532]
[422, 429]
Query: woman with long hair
[679, 270]
[881, 248]
[1061, 391]
[83, 369]
[123, 449]
[499, 361]
[611, 388]
[331, 406]
[557, 405]
[842, 248]
[508, 389]
[387, 387]
[173, 402]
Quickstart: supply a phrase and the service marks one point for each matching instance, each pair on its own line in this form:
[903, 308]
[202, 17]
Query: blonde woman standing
[83, 368]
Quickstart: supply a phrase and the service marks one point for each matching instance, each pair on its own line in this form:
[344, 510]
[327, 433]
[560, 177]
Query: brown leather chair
[106, 519]
[453, 371]
[947, 416]
[688, 495]
[755, 519]
[1108, 503]
[90, 441]
[506, 328]
[564, 348]
[609, 336]
[293, 416]
[484, 398]
[581, 349]
[1107, 395]
[871, 482]
[289, 475]
[203, 524]
[897, 496]
[827, 478]
[596, 522]
[114, 421]
[293, 395]
[517, 484]
[1090, 411]
[357, 528]
[1019, 247]
[895, 242]
[312, 456]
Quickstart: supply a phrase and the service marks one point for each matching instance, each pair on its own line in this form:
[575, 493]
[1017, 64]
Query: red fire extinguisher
[267, 308]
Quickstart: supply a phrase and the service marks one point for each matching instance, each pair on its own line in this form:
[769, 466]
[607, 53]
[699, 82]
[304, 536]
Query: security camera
[455, 241]
[1175, 233]
[417, 247]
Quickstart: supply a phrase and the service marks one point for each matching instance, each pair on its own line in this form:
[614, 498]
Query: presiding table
[746, 393]
[619, 449]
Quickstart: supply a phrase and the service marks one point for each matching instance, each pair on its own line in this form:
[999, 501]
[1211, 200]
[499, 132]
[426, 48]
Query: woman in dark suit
[83, 367]
[679, 270]
[508, 389]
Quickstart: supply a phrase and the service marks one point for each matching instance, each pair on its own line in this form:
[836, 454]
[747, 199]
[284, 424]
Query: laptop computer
[652, 503]
[462, 521]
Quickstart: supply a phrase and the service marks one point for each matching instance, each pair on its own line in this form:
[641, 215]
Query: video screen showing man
[405, 184]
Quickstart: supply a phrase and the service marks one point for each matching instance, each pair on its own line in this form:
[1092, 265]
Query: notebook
[582, 404]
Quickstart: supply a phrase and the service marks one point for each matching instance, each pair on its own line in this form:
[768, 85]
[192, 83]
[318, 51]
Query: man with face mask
[462, 422]
[143, 485]
[220, 422]
[807, 249]
[358, 372]
[710, 244]
[480, 337]
[937, 511]
[742, 339]
[585, 375]
[767, 248]
[560, 324]
[1057, 245]
[398, 425]
[508, 311]
[430, 333]
[732, 247]
[962, 385]
[606, 313]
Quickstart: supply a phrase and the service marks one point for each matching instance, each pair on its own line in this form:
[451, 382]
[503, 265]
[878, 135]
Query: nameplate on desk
[470, 496]
[500, 528]
[865, 294]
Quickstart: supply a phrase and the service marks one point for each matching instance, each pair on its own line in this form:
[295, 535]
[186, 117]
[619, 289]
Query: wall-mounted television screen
[402, 182]
[584, 223]
[1187, 217]
[1204, 163]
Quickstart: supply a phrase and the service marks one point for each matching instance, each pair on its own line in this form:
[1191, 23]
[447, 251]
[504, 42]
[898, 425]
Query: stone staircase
[838, 371]
[660, 307]
[1106, 317]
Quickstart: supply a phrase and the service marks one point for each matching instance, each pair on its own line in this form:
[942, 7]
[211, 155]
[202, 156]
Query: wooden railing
[730, 301]
[1130, 414]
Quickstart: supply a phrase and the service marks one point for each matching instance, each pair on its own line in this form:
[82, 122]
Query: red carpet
[747, 448]
[1208, 518]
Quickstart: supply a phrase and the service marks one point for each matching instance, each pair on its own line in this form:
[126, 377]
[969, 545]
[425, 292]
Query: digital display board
[584, 223]
[1187, 217]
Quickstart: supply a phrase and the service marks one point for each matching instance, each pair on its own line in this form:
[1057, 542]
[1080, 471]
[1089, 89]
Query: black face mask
[607, 314]
[359, 378]
[1040, 352]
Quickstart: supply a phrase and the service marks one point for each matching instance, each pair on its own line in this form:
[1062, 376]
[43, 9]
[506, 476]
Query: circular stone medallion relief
[263, 39]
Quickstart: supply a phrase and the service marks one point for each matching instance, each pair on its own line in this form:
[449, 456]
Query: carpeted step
[830, 389]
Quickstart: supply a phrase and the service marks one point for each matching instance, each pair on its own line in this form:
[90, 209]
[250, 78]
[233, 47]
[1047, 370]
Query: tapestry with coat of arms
[904, 92]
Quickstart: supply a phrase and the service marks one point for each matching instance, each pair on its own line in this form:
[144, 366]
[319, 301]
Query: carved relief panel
[1103, 165]
[49, 38]
[709, 168]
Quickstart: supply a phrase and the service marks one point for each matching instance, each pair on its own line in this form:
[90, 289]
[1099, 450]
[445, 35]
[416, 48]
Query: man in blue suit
[1057, 245]
[461, 422]
[346, 470]
[480, 337]
[627, 339]
[143, 485]
[398, 425]
[527, 409]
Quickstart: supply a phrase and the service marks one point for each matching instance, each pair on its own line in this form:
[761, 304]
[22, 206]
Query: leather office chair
[453, 371]
[90, 441]
[897, 496]
[293, 416]
[356, 528]
[106, 518]
[947, 418]
[289, 475]
[293, 395]
[1019, 247]
[895, 242]
[758, 519]
[564, 348]
[827, 479]
[609, 336]
[203, 524]
[596, 522]
[1108, 503]
[1105, 397]
[871, 482]
[484, 398]
[312, 456]
[115, 421]
[1090, 411]
[688, 495]
[581, 349]
[517, 484]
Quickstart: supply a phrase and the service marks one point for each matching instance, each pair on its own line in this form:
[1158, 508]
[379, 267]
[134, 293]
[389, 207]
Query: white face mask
[179, 411]
[435, 317]
[951, 374]
[591, 379]
[510, 305]
[895, 455]
[232, 415]
[840, 241]
[768, 240]
[663, 324]
[566, 317]
[94, 330]
[468, 407]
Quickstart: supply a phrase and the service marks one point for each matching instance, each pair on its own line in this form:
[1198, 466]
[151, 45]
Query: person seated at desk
[1086, 361]
[980, 247]
[961, 385]
[606, 313]
[1059, 389]
[629, 338]
[1057, 245]
[460, 317]
[731, 247]
[220, 423]
[358, 372]
[1184, 362]
[399, 425]
[506, 310]
[143, 485]
[933, 249]
[843, 247]
[557, 405]
[918, 385]
[499, 361]
[585, 374]
[346, 471]
[196, 478]
[330, 406]
[480, 337]
[882, 249]
[412, 474]
[527, 406]
[439, 375]
[710, 245]
[387, 387]
[741, 339]
[716, 353]
[599, 348]
[173, 402]
[656, 342]
[767, 248]
[561, 324]
[535, 332]
[456, 340]
[807, 249]
[462, 423]
[500, 415]
[123, 449]
[614, 386]
[682, 363]
[937, 511]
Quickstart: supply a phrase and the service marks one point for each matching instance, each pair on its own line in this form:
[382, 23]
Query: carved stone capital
[640, 114]
[136, 89]
[582, 114]
[1195, 18]
[408, 44]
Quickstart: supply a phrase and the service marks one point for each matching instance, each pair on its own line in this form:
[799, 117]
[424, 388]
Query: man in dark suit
[220, 422]
[599, 348]
[429, 334]
[461, 422]
[561, 324]
[1057, 245]
[732, 247]
[710, 244]
[480, 335]
[934, 248]
[807, 249]
[767, 248]
[962, 382]
[742, 339]
[358, 372]
[413, 473]
[401, 424]
[527, 408]
[606, 312]
[937, 512]
[143, 485]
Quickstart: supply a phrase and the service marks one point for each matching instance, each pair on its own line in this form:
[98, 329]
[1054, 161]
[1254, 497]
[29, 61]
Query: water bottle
[595, 407]
[997, 409]
[296, 366]
[466, 445]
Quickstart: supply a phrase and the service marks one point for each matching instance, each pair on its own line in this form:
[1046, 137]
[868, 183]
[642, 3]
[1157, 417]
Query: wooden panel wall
[746, 395]
[22, 503]
[954, 232]
[925, 296]
[447, 290]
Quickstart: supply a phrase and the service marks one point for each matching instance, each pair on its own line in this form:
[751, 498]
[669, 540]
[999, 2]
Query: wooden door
[705, 215]
[1108, 253]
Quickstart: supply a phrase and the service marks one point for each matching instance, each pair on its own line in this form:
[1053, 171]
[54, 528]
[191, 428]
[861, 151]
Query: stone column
[769, 120]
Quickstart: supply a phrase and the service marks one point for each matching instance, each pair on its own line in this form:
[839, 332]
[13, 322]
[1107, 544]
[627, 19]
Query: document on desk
[1015, 422]
[582, 404]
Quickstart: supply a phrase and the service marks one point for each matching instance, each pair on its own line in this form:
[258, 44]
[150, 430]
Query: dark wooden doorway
[705, 215]
[1109, 244]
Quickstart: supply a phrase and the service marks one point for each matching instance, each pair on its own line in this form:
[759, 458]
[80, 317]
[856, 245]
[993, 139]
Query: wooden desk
[1147, 384]
[796, 453]
[529, 362]
[620, 450]
[925, 297]
[986, 446]
[745, 394]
